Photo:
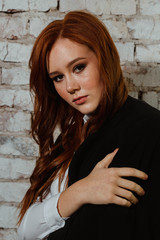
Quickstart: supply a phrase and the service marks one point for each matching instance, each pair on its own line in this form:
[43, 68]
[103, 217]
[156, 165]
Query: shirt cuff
[51, 214]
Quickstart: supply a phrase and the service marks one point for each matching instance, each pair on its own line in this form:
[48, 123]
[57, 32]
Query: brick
[143, 76]
[10, 5]
[71, 5]
[18, 52]
[0, 75]
[22, 100]
[133, 94]
[37, 24]
[155, 35]
[141, 28]
[0, 5]
[3, 50]
[148, 7]
[6, 97]
[126, 51]
[8, 216]
[18, 146]
[12, 191]
[13, 27]
[14, 121]
[16, 168]
[149, 53]
[15, 75]
[8, 234]
[117, 29]
[151, 98]
[98, 7]
[41, 5]
[123, 7]
[18, 98]
[144, 28]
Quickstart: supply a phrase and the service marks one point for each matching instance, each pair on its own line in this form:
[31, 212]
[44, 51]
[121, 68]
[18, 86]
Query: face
[74, 71]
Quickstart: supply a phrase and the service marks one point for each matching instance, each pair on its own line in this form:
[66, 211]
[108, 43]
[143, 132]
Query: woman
[108, 140]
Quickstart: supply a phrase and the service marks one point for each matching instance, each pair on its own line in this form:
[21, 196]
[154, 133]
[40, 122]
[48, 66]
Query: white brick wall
[15, 75]
[116, 28]
[151, 98]
[0, 5]
[14, 121]
[126, 51]
[123, 7]
[15, 5]
[137, 30]
[98, 7]
[134, 27]
[148, 53]
[15, 168]
[41, 5]
[69, 5]
[3, 50]
[18, 146]
[19, 99]
[150, 31]
[13, 27]
[12, 191]
[38, 23]
[150, 7]
[8, 215]
[8, 235]
[18, 52]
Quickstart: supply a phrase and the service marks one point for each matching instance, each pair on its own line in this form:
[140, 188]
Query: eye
[58, 78]
[79, 68]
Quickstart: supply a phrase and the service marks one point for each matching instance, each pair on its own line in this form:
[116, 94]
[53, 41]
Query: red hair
[51, 111]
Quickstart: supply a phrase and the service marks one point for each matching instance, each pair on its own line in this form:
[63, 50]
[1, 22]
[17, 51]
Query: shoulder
[137, 117]
[140, 110]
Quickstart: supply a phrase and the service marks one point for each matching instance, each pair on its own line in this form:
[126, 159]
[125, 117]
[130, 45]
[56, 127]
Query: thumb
[105, 162]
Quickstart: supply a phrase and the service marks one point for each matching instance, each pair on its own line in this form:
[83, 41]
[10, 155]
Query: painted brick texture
[134, 27]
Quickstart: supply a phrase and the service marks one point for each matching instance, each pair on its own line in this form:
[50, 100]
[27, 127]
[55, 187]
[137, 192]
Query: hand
[106, 185]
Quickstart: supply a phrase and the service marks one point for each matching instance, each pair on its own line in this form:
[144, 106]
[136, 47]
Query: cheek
[92, 82]
[61, 92]
[92, 77]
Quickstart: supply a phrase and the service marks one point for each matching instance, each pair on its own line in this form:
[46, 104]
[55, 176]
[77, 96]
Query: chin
[87, 111]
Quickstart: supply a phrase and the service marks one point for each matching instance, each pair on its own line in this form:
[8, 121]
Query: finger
[121, 192]
[105, 162]
[131, 172]
[121, 201]
[130, 185]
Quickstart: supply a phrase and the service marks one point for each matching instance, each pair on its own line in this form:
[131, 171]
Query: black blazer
[135, 130]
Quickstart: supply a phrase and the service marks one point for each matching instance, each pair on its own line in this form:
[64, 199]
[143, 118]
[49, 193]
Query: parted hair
[50, 110]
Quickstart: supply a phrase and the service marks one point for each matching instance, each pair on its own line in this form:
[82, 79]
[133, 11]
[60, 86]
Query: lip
[80, 100]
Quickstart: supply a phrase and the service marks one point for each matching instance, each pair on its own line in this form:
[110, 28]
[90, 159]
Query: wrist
[71, 199]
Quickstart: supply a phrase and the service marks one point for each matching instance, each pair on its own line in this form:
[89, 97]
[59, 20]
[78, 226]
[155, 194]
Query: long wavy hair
[51, 111]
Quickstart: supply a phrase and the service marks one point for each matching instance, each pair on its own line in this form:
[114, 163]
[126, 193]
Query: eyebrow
[68, 65]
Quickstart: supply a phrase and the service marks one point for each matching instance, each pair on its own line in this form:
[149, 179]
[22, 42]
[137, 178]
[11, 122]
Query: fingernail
[143, 193]
[146, 176]
[116, 150]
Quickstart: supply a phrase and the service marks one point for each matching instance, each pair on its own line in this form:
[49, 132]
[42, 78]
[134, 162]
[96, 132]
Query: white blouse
[42, 218]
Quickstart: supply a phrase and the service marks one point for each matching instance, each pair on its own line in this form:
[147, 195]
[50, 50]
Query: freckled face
[74, 69]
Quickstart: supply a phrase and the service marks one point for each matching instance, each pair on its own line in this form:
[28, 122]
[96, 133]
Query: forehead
[65, 46]
[65, 51]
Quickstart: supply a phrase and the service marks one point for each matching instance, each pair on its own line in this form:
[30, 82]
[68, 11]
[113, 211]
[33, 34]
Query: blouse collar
[86, 118]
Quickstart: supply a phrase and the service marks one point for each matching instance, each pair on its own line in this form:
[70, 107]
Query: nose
[72, 85]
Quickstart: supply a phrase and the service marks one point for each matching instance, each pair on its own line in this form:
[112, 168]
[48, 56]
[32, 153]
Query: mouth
[80, 100]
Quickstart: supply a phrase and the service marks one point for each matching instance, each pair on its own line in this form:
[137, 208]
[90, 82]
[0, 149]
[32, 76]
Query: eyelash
[79, 67]
[55, 79]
